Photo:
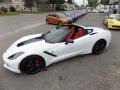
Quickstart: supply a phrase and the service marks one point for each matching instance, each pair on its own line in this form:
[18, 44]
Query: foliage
[93, 3]
[56, 1]
[12, 9]
[3, 10]
[104, 2]
[60, 7]
[70, 1]
[29, 4]
[55, 4]
[1, 1]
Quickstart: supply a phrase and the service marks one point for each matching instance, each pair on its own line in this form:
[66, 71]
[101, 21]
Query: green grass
[8, 14]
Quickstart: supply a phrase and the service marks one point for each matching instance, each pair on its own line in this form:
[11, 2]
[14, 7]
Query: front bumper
[67, 23]
[11, 65]
[111, 26]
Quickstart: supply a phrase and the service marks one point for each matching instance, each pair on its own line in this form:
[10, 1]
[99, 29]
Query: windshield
[61, 15]
[56, 35]
[114, 17]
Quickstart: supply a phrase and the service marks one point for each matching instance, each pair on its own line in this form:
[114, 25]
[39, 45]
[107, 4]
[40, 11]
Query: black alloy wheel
[99, 47]
[32, 65]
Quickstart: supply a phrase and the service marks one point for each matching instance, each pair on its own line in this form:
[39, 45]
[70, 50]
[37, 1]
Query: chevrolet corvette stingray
[112, 21]
[33, 53]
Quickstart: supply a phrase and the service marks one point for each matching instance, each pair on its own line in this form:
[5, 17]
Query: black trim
[36, 39]
[93, 33]
[50, 54]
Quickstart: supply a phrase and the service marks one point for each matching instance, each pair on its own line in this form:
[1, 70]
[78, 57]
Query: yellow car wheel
[108, 26]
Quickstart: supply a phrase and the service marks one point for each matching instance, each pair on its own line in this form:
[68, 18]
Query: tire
[47, 21]
[99, 47]
[60, 24]
[32, 64]
[107, 25]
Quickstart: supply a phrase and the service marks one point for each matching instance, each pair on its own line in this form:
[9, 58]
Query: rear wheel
[47, 21]
[99, 47]
[60, 24]
[32, 64]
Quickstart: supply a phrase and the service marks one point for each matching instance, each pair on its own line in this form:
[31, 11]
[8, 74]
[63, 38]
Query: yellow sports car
[112, 21]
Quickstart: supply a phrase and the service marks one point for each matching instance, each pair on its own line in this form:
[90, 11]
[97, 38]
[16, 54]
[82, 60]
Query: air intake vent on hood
[29, 41]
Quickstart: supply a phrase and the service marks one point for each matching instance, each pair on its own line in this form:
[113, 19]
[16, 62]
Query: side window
[52, 15]
[87, 31]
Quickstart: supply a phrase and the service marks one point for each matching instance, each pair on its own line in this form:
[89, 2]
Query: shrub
[12, 9]
[3, 9]
[60, 7]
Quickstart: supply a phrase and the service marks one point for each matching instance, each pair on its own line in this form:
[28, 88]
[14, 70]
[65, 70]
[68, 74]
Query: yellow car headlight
[111, 22]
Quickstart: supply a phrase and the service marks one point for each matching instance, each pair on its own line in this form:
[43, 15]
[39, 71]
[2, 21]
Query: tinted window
[87, 31]
[61, 15]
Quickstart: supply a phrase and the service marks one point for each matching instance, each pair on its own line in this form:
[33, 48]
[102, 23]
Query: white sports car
[33, 53]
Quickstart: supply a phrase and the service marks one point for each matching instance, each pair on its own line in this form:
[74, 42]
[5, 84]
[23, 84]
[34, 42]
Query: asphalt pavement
[86, 72]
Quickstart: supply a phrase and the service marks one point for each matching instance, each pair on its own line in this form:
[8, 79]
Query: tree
[12, 9]
[104, 2]
[93, 3]
[70, 1]
[29, 4]
[54, 3]
[1, 1]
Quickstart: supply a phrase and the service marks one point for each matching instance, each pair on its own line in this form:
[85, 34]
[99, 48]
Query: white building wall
[19, 5]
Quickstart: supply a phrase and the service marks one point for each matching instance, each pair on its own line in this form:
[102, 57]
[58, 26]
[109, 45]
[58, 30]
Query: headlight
[16, 55]
[111, 22]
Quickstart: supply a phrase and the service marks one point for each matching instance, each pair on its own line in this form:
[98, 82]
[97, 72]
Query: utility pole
[119, 7]
[83, 2]
[73, 6]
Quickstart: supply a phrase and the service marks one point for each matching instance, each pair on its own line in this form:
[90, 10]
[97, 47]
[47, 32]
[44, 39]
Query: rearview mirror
[69, 41]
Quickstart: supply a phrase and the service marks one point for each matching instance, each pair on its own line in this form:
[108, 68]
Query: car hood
[29, 43]
[115, 21]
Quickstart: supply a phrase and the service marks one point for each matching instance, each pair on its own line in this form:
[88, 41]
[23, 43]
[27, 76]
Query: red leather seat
[71, 33]
[79, 34]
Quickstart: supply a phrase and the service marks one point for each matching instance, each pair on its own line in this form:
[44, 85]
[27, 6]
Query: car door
[79, 46]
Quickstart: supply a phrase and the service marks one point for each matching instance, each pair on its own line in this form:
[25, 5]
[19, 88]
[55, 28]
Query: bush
[12, 9]
[3, 10]
[60, 7]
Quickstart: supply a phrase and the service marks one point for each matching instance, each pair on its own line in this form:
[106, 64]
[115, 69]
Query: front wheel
[99, 47]
[32, 64]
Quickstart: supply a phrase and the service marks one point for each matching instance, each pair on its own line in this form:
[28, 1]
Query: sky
[80, 2]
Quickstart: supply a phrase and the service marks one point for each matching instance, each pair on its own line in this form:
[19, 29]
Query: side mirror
[69, 41]
[105, 17]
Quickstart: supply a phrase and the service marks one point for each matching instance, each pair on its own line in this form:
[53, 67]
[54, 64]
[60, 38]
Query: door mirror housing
[69, 41]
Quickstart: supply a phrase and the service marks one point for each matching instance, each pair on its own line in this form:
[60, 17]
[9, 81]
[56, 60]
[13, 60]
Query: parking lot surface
[86, 72]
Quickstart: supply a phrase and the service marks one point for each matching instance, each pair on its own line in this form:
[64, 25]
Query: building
[20, 5]
[6, 4]
[114, 6]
